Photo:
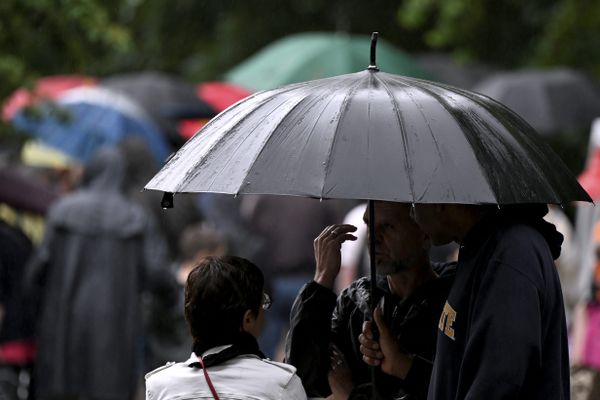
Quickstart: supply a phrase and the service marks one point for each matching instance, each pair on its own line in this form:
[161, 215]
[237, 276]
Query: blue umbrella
[84, 119]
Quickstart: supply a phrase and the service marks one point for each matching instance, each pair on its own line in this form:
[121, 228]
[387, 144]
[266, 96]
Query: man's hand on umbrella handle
[327, 252]
[385, 352]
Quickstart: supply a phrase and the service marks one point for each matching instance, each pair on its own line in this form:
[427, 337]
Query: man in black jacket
[410, 293]
[502, 333]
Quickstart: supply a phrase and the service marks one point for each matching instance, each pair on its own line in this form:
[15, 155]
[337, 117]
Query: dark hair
[218, 292]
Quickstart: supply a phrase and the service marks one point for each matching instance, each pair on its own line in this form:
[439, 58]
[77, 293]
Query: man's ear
[248, 321]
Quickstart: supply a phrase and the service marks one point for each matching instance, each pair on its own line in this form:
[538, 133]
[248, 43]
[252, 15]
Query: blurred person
[141, 167]
[502, 333]
[585, 335]
[99, 252]
[324, 328]
[566, 264]
[225, 307]
[168, 338]
[17, 347]
[287, 226]
[225, 214]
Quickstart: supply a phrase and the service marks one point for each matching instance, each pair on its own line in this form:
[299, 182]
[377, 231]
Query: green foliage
[510, 33]
[572, 36]
[500, 32]
[44, 37]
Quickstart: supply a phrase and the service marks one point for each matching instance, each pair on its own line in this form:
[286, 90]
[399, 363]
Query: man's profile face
[398, 240]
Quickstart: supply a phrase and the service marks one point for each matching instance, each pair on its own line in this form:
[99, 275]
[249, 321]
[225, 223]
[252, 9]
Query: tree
[510, 33]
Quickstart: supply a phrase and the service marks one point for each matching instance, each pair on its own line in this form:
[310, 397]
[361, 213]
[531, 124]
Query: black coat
[318, 320]
[503, 333]
[99, 253]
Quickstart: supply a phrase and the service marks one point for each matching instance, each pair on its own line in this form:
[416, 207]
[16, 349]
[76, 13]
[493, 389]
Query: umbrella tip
[167, 200]
[372, 64]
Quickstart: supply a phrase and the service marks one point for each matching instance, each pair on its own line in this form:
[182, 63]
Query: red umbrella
[219, 95]
[47, 88]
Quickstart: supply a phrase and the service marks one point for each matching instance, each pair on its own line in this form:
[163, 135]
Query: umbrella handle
[374, 330]
[372, 64]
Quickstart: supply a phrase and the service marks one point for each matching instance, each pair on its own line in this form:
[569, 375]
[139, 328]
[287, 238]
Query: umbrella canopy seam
[401, 125]
[345, 104]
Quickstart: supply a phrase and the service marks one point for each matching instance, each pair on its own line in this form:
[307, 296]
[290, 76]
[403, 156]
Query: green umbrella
[308, 56]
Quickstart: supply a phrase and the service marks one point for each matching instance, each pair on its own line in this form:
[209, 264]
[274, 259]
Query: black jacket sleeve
[307, 344]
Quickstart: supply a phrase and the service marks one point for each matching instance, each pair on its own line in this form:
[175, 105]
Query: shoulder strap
[208, 381]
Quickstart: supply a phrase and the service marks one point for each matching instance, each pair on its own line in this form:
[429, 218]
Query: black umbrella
[167, 98]
[551, 100]
[371, 135]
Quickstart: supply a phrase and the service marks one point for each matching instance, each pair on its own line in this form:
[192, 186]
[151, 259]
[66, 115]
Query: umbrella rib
[525, 139]
[242, 120]
[302, 101]
[203, 160]
[400, 120]
[343, 107]
[425, 87]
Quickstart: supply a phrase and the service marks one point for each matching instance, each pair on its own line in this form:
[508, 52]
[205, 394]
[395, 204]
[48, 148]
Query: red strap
[208, 381]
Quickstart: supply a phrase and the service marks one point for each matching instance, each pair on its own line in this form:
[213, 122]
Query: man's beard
[391, 267]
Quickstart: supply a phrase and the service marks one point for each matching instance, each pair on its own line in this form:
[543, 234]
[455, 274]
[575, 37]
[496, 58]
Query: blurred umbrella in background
[83, 119]
[550, 100]
[20, 192]
[446, 69]
[44, 89]
[219, 95]
[168, 99]
[308, 56]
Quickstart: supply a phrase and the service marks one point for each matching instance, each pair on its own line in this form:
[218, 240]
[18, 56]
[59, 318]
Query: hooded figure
[100, 251]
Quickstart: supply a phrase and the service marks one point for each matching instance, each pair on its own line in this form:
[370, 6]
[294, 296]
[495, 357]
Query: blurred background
[145, 75]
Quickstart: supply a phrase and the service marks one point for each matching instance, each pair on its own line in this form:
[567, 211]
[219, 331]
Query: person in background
[17, 346]
[100, 252]
[225, 310]
[168, 338]
[286, 226]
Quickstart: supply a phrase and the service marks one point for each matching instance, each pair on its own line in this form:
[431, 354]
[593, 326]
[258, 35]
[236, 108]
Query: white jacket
[246, 377]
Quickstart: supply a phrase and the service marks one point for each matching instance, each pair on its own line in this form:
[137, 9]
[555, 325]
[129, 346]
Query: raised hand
[327, 252]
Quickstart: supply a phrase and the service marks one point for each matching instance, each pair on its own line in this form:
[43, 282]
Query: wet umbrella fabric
[550, 100]
[84, 119]
[372, 135]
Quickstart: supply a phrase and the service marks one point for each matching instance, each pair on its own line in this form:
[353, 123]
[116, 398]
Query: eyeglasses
[266, 301]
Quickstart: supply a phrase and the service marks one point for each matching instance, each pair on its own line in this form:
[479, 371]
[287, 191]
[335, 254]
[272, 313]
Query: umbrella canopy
[550, 100]
[47, 88]
[372, 135]
[314, 55]
[166, 98]
[87, 118]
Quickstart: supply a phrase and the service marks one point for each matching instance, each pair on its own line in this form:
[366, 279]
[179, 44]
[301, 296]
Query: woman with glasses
[225, 309]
